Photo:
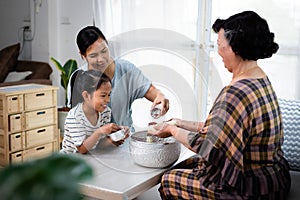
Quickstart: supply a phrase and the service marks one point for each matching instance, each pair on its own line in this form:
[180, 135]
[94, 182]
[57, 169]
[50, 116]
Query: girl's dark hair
[248, 35]
[87, 36]
[89, 81]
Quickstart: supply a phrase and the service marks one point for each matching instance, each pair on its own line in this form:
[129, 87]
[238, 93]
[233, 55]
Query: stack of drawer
[28, 122]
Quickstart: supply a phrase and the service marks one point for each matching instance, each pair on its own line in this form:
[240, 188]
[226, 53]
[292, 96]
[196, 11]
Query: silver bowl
[154, 152]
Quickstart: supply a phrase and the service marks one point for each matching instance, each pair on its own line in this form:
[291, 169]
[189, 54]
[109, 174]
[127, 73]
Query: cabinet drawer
[2, 142]
[16, 141]
[15, 123]
[16, 157]
[38, 100]
[40, 118]
[14, 103]
[38, 152]
[40, 136]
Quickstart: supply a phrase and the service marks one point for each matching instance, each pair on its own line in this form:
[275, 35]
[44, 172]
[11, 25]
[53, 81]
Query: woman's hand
[161, 99]
[157, 97]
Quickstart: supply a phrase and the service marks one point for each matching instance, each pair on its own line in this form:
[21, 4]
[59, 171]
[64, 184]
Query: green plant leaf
[65, 73]
[58, 65]
[52, 178]
[70, 66]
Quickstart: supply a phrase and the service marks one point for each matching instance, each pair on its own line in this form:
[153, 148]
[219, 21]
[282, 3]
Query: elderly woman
[238, 148]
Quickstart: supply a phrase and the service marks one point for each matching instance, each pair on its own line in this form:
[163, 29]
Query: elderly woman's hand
[162, 130]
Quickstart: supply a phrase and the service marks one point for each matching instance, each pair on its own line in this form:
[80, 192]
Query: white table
[116, 176]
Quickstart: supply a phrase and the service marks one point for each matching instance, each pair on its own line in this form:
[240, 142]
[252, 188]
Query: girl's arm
[90, 142]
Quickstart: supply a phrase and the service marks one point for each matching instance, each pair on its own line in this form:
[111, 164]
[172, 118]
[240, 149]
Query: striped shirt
[78, 128]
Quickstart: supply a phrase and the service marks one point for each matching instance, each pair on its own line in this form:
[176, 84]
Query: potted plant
[66, 71]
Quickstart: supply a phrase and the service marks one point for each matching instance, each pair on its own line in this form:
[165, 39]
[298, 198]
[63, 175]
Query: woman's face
[225, 51]
[101, 97]
[98, 56]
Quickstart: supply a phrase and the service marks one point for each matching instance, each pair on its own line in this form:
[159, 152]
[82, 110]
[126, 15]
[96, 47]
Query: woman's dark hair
[248, 35]
[89, 81]
[87, 36]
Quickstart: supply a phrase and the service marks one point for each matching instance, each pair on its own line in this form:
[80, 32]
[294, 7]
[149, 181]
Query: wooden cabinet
[28, 122]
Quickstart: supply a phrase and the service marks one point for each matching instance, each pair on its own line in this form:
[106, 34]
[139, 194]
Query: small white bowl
[117, 136]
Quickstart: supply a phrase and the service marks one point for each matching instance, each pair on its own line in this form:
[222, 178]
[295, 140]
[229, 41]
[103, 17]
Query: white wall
[14, 14]
[56, 25]
[65, 19]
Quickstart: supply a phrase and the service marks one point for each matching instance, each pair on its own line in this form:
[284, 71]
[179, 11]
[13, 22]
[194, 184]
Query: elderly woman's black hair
[248, 35]
[89, 81]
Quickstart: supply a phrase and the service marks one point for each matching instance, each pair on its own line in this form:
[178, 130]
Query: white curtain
[161, 38]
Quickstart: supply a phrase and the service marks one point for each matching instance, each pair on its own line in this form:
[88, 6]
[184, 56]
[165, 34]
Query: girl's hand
[126, 135]
[126, 131]
[116, 143]
[109, 128]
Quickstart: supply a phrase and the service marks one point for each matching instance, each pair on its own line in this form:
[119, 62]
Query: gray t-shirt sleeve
[129, 83]
[140, 83]
[131, 79]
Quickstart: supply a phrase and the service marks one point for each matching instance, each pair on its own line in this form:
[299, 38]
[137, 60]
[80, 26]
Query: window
[283, 68]
[158, 37]
[171, 41]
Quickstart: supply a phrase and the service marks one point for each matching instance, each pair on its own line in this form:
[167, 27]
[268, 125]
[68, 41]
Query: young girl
[89, 120]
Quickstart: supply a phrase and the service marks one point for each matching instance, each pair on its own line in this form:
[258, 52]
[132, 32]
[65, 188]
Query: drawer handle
[17, 117]
[41, 130]
[14, 98]
[40, 148]
[41, 112]
[18, 136]
[18, 155]
[40, 94]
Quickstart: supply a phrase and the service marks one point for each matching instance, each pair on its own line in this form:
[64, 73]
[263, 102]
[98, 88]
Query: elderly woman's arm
[193, 126]
[180, 130]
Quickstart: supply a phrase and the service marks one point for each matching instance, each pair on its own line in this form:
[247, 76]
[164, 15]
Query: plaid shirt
[240, 155]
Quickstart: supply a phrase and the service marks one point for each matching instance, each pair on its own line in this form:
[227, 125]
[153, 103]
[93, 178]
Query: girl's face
[225, 51]
[101, 97]
[98, 56]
